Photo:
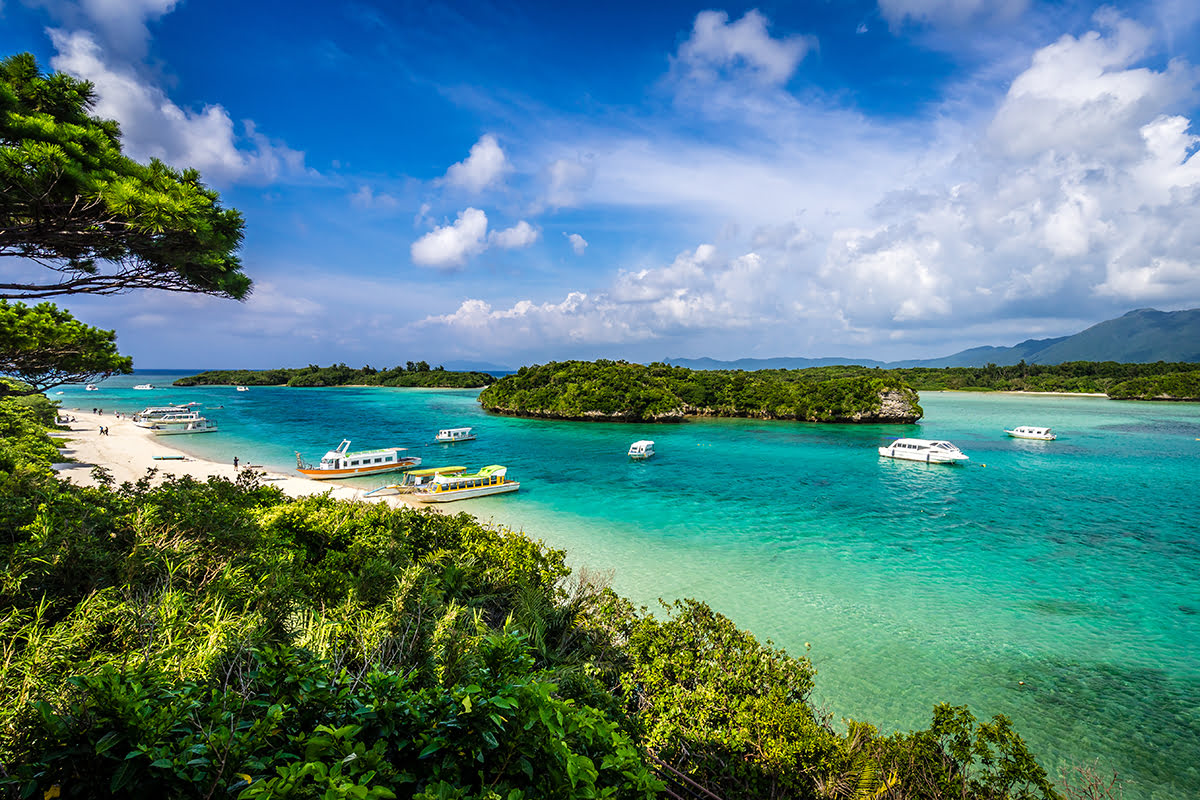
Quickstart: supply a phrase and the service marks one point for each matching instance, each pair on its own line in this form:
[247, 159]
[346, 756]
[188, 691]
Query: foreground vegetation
[413, 374]
[618, 390]
[212, 639]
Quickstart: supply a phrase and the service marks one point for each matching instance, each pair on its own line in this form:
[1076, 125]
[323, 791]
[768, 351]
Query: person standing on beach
[235, 462]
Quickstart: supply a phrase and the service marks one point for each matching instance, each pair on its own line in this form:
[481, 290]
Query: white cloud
[742, 49]
[578, 243]
[485, 165]
[153, 126]
[566, 180]
[520, 235]
[120, 25]
[451, 245]
[367, 198]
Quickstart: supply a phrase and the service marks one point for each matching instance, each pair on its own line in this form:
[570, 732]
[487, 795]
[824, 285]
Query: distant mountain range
[1142, 336]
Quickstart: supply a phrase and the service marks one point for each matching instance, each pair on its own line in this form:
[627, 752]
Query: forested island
[413, 374]
[625, 392]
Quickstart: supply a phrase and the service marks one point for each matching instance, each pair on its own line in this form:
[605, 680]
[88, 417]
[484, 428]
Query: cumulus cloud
[743, 49]
[520, 235]
[119, 25]
[451, 245]
[153, 126]
[485, 165]
[578, 243]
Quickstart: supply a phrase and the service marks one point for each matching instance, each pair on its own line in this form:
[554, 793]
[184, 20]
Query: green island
[191, 639]
[621, 391]
[418, 374]
[625, 392]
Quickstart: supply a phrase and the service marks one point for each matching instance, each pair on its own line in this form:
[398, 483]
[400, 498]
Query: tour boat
[928, 450]
[197, 425]
[243, 388]
[341, 463]
[641, 449]
[415, 479]
[91, 387]
[1029, 432]
[150, 413]
[447, 435]
[144, 386]
[448, 488]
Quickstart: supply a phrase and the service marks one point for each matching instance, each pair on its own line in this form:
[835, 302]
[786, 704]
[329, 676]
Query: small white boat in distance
[1030, 432]
[91, 387]
[641, 449]
[144, 386]
[341, 463]
[243, 388]
[447, 435]
[931, 451]
[448, 488]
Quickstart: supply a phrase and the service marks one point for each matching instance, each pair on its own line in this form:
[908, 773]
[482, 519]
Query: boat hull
[175, 431]
[1047, 438]
[924, 458]
[466, 494]
[351, 472]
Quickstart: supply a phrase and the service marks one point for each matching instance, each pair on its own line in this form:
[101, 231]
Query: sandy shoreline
[1009, 391]
[128, 451]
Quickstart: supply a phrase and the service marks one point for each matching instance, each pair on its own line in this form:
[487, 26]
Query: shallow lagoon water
[1073, 565]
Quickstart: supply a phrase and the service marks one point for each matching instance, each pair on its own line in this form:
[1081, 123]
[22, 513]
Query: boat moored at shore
[492, 479]
[931, 451]
[341, 463]
[197, 425]
[415, 479]
[1030, 432]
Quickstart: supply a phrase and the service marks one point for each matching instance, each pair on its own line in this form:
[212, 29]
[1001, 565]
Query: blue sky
[510, 184]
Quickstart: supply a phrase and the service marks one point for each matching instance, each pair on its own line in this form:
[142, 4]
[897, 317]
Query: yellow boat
[492, 479]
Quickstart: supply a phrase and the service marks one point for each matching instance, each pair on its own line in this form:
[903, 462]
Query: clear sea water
[1057, 583]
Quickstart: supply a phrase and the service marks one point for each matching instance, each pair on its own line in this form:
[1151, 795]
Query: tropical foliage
[1172, 386]
[44, 346]
[623, 391]
[417, 374]
[88, 219]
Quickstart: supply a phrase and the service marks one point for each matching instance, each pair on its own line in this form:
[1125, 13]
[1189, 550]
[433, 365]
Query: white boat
[448, 488]
[91, 387]
[197, 425]
[1030, 432]
[243, 388]
[415, 479]
[154, 413]
[931, 451]
[144, 386]
[641, 449]
[448, 435]
[341, 463]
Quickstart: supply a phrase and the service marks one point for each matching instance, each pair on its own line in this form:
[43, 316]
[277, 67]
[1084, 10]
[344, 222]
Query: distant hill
[1139, 337]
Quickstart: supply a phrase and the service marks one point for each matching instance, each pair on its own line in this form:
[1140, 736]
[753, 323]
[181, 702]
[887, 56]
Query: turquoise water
[1072, 566]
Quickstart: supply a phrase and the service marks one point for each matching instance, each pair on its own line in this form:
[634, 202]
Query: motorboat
[91, 387]
[243, 388]
[641, 449]
[414, 480]
[492, 479]
[449, 435]
[197, 425]
[142, 387]
[151, 414]
[1030, 432]
[931, 451]
[341, 463]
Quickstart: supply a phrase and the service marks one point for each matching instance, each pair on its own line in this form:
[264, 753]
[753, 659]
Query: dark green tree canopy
[44, 346]
[99, 222]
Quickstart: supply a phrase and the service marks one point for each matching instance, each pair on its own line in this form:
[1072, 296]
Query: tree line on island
[413, 374]
[188, 639]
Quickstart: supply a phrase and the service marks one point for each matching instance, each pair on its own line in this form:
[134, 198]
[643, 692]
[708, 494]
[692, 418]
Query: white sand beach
[128, 451]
